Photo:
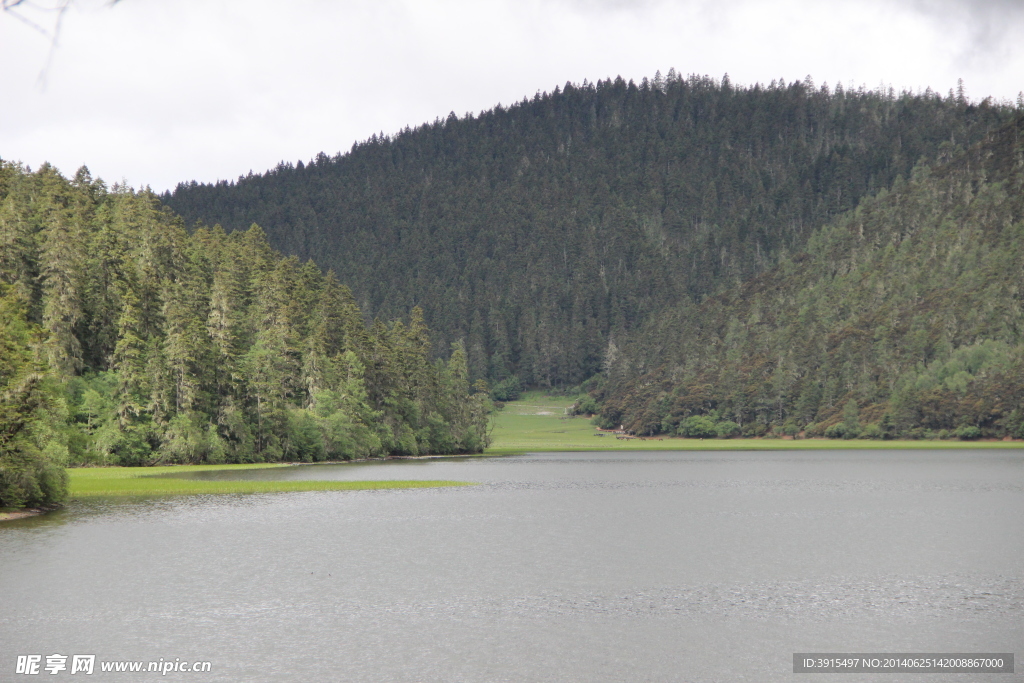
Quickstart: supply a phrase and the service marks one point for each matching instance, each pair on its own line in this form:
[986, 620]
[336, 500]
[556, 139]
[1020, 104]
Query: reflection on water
[562, 567]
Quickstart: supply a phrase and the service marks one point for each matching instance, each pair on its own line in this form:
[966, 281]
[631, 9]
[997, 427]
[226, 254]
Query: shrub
[507, 390]
[187, 439]
[439, 438]
[871, 431]
[303, 439]
[727, 429]
[754, 429]
[836, 431]
[698, 427]
[585, 405]
[1014, 424]
[131, 447]
[968, 433]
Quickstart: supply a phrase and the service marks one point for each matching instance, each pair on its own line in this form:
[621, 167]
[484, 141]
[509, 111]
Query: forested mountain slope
[124, 339]
[903, 317]
[544, 232]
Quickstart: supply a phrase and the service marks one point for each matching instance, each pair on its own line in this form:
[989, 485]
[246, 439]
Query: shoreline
[283, 463]
[539, 423]
[667, 443]
[12, 515]
[577, 443]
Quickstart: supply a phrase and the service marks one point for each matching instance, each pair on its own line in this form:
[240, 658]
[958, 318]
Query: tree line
[126, 339]
[546, 232]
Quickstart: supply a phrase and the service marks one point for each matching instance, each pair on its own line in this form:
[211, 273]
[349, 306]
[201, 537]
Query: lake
[645, 566]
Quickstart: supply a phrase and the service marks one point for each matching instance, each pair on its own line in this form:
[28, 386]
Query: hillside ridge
[902, 318]
[543, 232]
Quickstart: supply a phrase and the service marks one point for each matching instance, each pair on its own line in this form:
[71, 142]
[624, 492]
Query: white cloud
[159, 92]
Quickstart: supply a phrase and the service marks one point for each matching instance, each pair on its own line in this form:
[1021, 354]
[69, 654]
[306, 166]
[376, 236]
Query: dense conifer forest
[548, 233]
[126, 339]
[901, 318]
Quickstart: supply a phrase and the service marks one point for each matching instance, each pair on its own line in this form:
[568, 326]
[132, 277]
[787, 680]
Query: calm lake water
[557, 567]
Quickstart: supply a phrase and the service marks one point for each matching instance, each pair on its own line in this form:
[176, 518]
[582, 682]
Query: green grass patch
[147, 481]
[538, 423]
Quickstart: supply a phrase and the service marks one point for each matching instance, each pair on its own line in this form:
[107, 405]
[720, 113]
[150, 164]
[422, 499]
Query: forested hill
[544, 231]
[902, 318]
[127, 340]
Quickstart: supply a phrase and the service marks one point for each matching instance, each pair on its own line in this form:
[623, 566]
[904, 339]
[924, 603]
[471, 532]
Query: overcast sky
[154, 92]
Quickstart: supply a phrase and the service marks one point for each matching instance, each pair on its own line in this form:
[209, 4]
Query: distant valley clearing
[538, 423]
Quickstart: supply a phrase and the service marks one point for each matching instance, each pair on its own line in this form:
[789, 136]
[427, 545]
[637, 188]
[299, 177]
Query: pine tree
[62, 259]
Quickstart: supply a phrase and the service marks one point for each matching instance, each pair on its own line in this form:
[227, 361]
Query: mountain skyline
[147, 94]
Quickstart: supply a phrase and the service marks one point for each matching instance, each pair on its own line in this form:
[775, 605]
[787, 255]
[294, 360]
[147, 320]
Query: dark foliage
[901, 318]
[544, 234]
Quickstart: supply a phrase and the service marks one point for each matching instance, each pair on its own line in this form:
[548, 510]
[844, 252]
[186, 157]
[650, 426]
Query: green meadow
[538, 422]
[152, 481]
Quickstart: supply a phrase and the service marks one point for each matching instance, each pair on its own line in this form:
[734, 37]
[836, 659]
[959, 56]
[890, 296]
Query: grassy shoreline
[536, 423]
[747, 444]
[539, 423]
[89, 482]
